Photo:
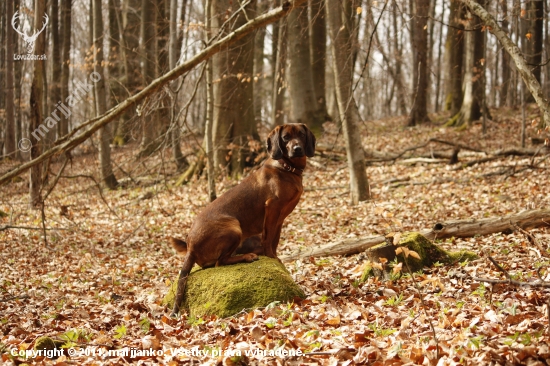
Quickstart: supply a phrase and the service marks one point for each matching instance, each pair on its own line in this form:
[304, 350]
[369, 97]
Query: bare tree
[455, 49]
[474, 80]
[63, 125]
[300, 79]
[341, 36]
[107, 175]
[419, 112]
[233, 93]
[209, 109]
[523, 68]
[37, 88]
[173, 59]
[148, 58]
[318, 54]
[9, 140]
[278, 92]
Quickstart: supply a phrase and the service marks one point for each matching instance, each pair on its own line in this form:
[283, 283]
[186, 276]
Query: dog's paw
[250, 257]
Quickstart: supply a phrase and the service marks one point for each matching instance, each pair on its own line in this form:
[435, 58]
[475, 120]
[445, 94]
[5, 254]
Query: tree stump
[428, 252]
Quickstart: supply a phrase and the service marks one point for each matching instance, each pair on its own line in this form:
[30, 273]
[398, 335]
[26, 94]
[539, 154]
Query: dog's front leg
[272, 229]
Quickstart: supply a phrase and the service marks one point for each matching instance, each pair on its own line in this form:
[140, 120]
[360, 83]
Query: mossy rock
[227, 290]
[429, 254]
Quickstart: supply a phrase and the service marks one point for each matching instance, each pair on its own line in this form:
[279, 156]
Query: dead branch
[87, 129]
[456, 228]
[513, 282]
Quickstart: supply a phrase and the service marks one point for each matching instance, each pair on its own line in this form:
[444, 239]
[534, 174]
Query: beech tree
[339, 17]
[107, 175]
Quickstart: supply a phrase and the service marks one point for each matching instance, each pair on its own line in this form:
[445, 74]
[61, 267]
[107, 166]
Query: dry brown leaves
[98, 284]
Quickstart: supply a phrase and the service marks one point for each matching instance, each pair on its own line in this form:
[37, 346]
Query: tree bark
[37, 87]
[9, 140]
[63, 125]
[343, 78]
[107, 175]
[173, 59]
[505, 59]
[278, 92]
[233, 94]
[300, 78]
[458, 229]
[55, 82]
[148, 59]
[318, 53]
[419, 112]
[530, 80]
[88, 128]
[455, 49]
[258, 78]
[532, 25]
[209, 109]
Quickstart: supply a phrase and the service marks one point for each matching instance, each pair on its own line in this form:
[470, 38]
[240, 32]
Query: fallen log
[456, 228]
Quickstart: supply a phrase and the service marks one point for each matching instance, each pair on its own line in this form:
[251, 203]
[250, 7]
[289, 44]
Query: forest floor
[98, 282]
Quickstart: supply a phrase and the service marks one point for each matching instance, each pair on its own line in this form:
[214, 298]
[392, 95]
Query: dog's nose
[298, 150]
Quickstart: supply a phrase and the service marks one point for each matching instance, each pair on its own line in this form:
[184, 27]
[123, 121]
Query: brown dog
[258, 205]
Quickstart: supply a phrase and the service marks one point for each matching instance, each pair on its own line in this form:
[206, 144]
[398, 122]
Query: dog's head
[292, 140]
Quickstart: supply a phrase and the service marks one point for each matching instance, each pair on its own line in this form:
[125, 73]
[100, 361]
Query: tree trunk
[458, 229]
[9, 140]
[474, 86]
[343, 78]
[455, 49]
[300, 78]
[107, 175]
[258, 78]
[318, 54]
[532, 24]
[233, 94]
[209, 109]
[179, 159]
[148, 58]
[63, 125]
[36, 112]
[55, 82]
[401, 98]
[278, 92]
[523, 69]
[505, 60]
[130, 53]
[419, 112]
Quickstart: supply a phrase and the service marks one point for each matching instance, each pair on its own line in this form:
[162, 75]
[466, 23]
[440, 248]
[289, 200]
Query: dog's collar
[288, 167]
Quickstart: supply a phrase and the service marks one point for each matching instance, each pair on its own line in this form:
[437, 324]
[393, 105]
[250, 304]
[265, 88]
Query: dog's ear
[274, 145]
[310, 142]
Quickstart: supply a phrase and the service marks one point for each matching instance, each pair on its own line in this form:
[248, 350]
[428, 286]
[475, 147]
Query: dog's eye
[286, 138]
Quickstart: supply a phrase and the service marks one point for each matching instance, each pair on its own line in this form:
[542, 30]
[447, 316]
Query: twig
[542, 284]
[500, 268]
[531, 238]
[6, 227]
[14, 298]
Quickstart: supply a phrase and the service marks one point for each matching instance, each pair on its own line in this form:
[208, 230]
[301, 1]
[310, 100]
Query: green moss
[429, 254]
[3, 214]
[47, 343]
[227, 290]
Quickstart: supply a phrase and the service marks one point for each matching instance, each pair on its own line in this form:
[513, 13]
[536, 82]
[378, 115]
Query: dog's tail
[179, 245]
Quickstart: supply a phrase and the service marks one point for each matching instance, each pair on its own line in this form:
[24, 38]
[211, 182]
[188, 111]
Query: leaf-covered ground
[98, 283]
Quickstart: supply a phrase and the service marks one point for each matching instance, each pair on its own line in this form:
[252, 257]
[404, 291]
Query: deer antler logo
[29, 41]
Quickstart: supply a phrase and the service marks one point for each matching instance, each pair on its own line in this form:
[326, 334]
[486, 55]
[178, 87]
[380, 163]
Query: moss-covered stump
[428, 252]
[227, 290]
[47, 344]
